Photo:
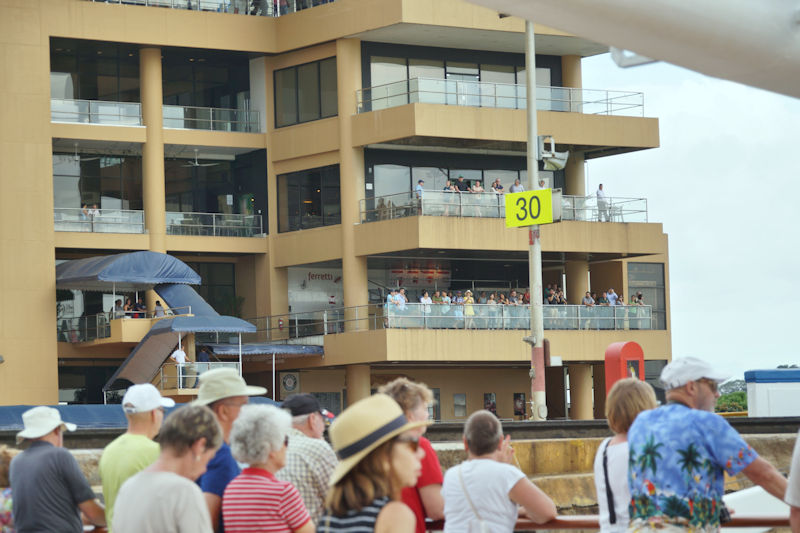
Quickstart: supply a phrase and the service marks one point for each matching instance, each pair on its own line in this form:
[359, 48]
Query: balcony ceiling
[471, 39]
[179, 151]
[389, 260]
[420, 143]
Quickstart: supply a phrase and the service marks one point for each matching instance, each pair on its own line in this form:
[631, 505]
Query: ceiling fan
[196, 163]
[80, 159]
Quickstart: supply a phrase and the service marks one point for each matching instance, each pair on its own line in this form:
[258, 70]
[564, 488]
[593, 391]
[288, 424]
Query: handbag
[482, 526]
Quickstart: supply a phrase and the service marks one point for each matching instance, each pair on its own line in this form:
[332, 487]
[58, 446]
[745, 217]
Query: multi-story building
[274, 147]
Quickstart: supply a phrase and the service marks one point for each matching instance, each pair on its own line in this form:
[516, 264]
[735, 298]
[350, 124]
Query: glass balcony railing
[98, 220]
[499, 95]
[262, 8]
[282, 328]
[214, 224]
[84, 328]
[492, 205]
[211, 118]
[95, 112]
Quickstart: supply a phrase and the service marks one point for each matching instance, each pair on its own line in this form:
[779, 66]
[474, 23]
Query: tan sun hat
[223, 383]
[364, 426]
[40, 421]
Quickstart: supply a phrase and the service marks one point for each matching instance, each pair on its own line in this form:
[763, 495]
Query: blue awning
[206, 323]
[129, 272]
[184, 300]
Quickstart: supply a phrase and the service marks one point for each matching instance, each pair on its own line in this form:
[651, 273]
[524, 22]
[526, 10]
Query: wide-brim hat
[681, 371]
[40, 421]
[363, 427]
[221, 383]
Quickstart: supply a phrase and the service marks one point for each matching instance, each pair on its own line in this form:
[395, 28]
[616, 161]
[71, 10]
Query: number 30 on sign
[529, 208]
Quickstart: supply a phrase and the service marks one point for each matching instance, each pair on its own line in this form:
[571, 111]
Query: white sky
[727, 190]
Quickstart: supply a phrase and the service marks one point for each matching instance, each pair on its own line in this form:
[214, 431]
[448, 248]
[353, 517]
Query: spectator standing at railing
[588, 301]
[542, 184]
[612, 297]
[140, 308]
[449, 187]
[179, 356]
[159, 310]
[418, 190]
[603, 300]
[461, 185]
[477, 187]
[602, 205]
[134, 450]
[469, 309]
[127, 309]
[680, 452]
[484, 492]
[426, 302]
[119, 311]
[497, 186]
[517, 187]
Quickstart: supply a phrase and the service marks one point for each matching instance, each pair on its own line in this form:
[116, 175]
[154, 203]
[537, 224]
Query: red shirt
[256, 501]
[431, 475]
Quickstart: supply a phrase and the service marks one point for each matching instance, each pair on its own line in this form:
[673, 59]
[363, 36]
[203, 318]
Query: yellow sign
[529, 208]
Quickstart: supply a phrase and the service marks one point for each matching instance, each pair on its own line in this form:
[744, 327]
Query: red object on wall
[623, 360]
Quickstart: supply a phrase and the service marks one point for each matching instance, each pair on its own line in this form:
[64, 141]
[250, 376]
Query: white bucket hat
[40, 421]
[223, 383]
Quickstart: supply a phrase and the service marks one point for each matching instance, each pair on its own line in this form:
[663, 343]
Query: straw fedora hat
[223, 383]
[364, 426]
[40, 421]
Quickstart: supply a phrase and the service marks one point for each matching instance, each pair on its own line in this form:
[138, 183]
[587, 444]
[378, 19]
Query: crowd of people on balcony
[379, 472]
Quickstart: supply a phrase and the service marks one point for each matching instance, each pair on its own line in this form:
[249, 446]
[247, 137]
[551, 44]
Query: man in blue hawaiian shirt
[680, 451]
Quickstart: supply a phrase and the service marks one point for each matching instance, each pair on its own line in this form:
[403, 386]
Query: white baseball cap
[681, 371]
[40, 421]
[143, 398]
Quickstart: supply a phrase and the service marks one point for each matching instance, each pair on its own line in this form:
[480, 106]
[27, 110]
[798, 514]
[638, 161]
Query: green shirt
[125, 456]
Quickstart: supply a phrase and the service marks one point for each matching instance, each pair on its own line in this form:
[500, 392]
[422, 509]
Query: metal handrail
[211, 118]
[93, 327]
[283, 327]
[188, 373]
[89, 220]
[499, 95]
[492, 205]
[262, 8]
[214, 224]
[95, 112]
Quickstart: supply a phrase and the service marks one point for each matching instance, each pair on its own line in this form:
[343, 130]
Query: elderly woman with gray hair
[256, 500]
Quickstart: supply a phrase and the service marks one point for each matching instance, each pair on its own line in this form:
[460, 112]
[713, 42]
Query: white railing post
[325, 322]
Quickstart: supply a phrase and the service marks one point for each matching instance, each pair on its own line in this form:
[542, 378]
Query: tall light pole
[538, 397]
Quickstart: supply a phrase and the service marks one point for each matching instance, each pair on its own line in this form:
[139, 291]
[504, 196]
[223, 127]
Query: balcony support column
[575, 174]
[571, 75]
[577, 281]
[580, 392]
[351, 172]
[357, 381]
[153, 189]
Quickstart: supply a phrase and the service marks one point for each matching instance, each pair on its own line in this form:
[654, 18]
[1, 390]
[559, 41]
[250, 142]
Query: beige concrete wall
[489, 124]
[27, 267]
[307, 246]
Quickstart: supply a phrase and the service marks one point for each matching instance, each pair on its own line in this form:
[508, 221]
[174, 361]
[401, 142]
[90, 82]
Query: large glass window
[218, 286]
[648, 278]
[309, 199]
[305, 92]
[93, 70]
[206, 78]
[108, 181]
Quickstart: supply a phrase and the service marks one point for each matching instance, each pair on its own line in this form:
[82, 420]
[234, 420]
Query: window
[309, 199]
[459, 405]
[434, 411]
[648, 278]
[218, 286]
[305, 92]
[110, 181]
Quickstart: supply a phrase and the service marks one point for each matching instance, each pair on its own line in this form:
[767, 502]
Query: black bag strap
[612, 514]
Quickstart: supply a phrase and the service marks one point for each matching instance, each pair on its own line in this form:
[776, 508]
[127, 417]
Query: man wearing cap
[49, 489]
[225, 392]
[134, 450]
[679, 453]
[309, 459]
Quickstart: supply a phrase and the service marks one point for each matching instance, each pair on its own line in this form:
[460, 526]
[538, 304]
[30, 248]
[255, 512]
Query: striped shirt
[309, 464]
[255, 501]
[362, 521]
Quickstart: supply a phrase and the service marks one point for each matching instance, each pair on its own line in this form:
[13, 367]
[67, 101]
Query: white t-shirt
[160, 502]
[793, 489]
[612, 298]
[617, 460]
[179, 356]
[601, 196]
[488, 483]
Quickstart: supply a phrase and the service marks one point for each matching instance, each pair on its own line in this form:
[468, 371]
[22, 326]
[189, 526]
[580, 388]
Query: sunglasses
[710, 382]
[413, 442]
